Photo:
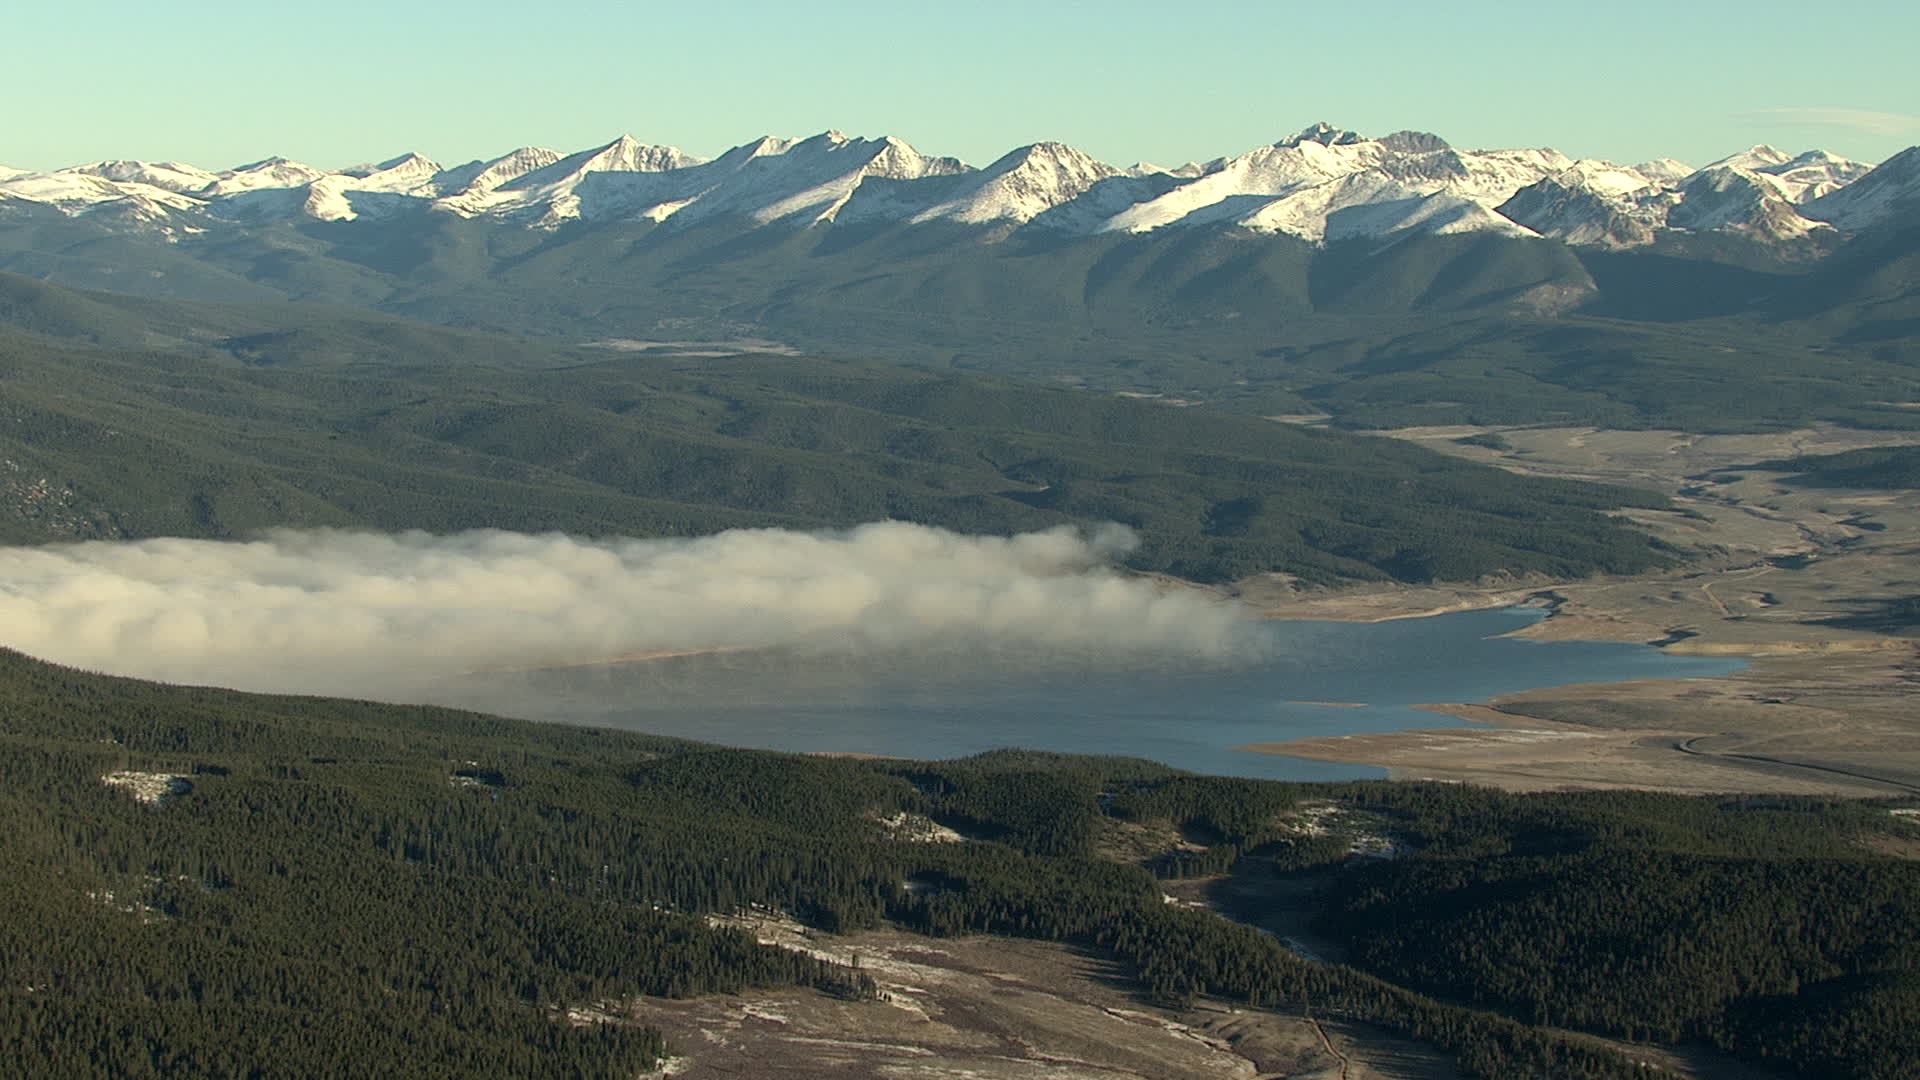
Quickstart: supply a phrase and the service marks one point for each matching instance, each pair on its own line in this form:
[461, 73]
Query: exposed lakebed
[1323, 678]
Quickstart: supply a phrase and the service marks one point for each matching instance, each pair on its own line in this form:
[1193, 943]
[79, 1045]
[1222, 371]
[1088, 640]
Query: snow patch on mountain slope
[1816, 173]
[1266, 173]
[408, 174]
[1090, 211]
[1293, 185]
[170, 175]
[1439, 212]
[1664, 171]
[1796, 178]
[372, 190]
[1562, 206]
[140, 211]
[1494, 175]
[1887, 196]
[1020, 186]
[75, 192]
[1754, 158]
[1723, 197]
[1606, 179]
[810, 180]
[479, 177]
[263, 175]
[1368, 204]
[68, 191]
[607, 182]
[1755, 192]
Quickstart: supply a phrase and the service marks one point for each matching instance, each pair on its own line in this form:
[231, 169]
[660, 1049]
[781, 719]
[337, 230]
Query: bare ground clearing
[999, 1009]
[1799, 579]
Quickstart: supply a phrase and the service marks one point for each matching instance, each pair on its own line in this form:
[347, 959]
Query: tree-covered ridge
[1698, 332]
[115, 442]
[1873, 467]
[1755, 924]
[349, 887]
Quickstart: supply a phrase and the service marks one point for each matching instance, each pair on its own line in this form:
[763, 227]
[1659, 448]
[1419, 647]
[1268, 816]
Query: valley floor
[1798, 579]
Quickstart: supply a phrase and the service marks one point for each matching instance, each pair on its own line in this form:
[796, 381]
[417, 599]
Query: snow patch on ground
[145, 912]
[898, 980]
[761, 1012]
[1365, 836]
[920, 829]
[153, 789]
[136, 906]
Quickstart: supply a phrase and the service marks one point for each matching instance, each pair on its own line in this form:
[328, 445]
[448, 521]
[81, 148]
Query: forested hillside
[338, 419]
[1699, 331]
[1896, 467]
[316, 887]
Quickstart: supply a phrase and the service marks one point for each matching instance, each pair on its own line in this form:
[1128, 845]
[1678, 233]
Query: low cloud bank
[373, 614]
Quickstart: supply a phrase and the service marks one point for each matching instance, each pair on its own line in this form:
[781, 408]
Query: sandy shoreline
[1807, 584]
[1808, 716]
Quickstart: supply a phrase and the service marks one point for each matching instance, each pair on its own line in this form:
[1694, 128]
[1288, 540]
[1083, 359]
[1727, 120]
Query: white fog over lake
[888, 638]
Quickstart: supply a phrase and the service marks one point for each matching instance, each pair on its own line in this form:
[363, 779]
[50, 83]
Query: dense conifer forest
[338, 888]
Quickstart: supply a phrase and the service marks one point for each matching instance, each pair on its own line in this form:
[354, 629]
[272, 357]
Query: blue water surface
[1326, 678]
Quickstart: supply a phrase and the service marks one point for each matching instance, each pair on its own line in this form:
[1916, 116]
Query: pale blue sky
[221, 82]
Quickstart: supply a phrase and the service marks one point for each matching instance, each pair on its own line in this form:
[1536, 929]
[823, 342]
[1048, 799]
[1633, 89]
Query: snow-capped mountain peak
[628, 154]
[1757, 157]
[1728, 197]
[764, 146]
[1049, 155]
[1606, 178]
[896, 159]
[350, 193]
[1322, 183]
[169, 175]
[404, 165]
[484, 176]
[1568, 207]
[540, 187]
[1889, 195]
[1815, 173]
[1791, 179]
[274, 172]
[623, 155]
[806, 181]
[1024, 183]
[1664, 171]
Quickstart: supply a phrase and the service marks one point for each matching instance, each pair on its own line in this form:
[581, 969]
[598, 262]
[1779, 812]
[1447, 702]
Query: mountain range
[1384, 282]
[1320, 184]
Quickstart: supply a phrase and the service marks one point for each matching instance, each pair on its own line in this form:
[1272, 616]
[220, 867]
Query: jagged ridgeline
[137, 417]
[1388, 281]
[203, 882]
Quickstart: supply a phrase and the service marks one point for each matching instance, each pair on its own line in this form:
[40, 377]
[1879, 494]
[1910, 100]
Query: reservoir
[1321, 678]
